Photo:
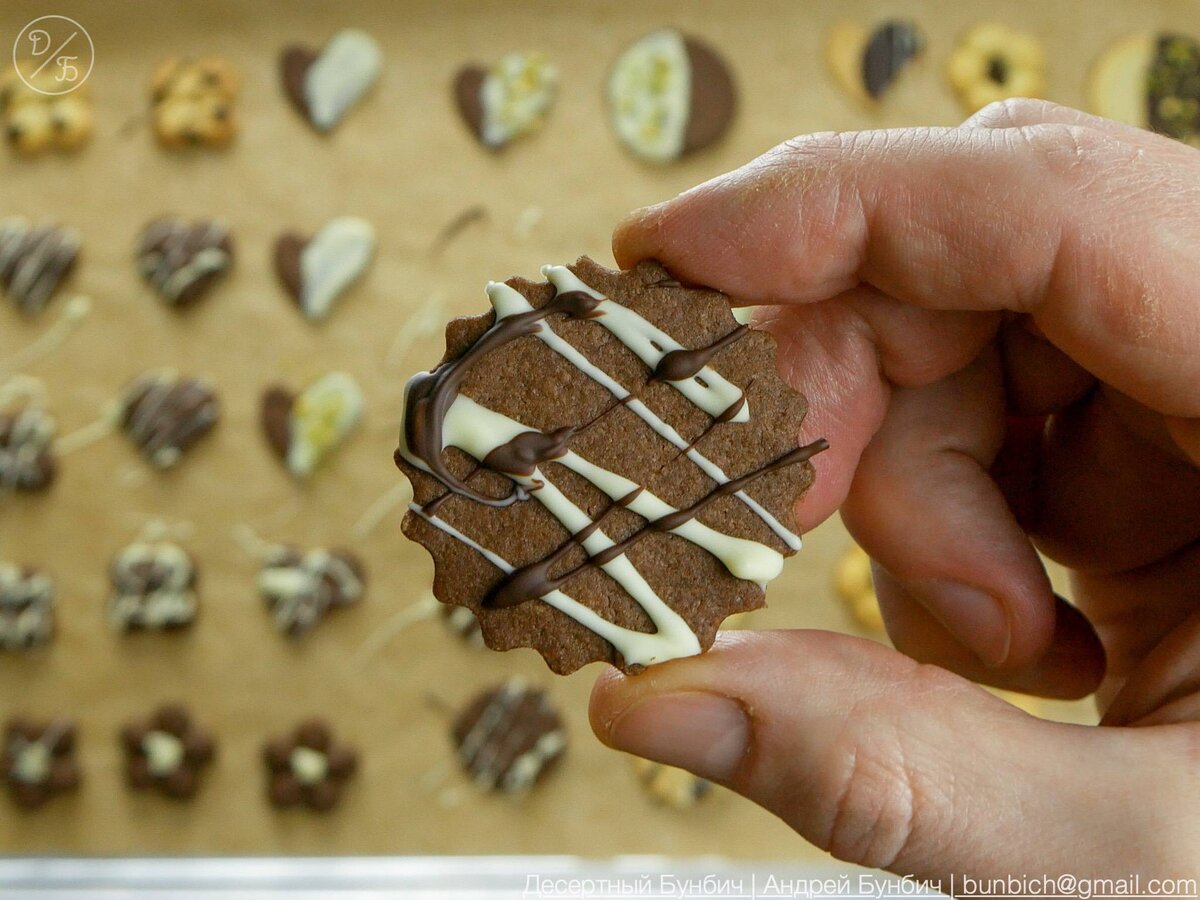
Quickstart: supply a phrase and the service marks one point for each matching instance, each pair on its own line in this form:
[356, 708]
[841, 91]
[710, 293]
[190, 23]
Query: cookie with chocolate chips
[605, 466]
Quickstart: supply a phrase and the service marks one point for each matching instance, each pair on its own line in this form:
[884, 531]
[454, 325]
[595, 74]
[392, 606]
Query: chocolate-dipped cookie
[508, 737]
[605, 466]
[27, 458]
[182, 260]
[26, 607]
[299, 588]
[38, 760]
[317, 270]
[35, 261]
[308, 767]
[507, 100]
[670, 94]
[1150, 80]
[192, 102]
[324, 85]
[867, 63]
[167, 752]
[153, 587]
[303, 429]
[164, 414]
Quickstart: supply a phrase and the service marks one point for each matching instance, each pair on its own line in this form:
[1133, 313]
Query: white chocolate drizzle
[508, 301]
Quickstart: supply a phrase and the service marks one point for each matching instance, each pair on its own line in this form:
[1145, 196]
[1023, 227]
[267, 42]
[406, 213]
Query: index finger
[1091, 231]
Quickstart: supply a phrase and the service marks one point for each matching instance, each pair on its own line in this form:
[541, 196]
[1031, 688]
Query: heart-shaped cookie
[324, 85]
[316, 271]
[182, 260]
[304, 428]
[508, 100]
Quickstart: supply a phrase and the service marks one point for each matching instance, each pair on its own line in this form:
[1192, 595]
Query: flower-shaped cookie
[26, 607]
[299, 588]
[167, 752]
[38, 120]
[192, 102]
[308, 767]
[38, 760]
[153, 587]
[994, 62]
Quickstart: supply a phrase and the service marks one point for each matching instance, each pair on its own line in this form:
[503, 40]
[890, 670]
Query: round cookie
[994, 62]
[868, 62]
[670, 95]
[669, 786]
[1152, 81]
[605, 466]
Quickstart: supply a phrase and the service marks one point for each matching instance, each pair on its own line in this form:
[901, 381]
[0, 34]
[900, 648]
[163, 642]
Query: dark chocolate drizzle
[428, 396]
[679, 365]
[534, 580]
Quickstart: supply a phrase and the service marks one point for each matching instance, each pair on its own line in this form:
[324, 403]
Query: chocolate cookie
[164, 414]
[153, 587]
[324, 85]
[669, 95]
[26, 607]
[509, 737]
[35, 261]
[299, 588]
[183, 260]
[192, 102]
[1150, 80]
[167, 752]
[867, 63]
[303, 429]
[27, 458]
[316, 271]
[38, 760]
[308, 768]
[507, 101]
[656, 443]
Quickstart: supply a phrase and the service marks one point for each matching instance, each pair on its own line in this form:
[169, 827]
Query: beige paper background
[404, 161]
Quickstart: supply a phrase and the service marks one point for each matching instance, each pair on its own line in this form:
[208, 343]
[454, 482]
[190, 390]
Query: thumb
[884, 762]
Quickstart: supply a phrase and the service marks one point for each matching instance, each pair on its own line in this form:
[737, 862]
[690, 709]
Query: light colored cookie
[193, 102]
[994, 62]
[35, 122]
[852, 580]
[1152, 81]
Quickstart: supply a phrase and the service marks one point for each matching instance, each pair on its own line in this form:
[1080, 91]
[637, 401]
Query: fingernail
[977, 619]
[704, 733]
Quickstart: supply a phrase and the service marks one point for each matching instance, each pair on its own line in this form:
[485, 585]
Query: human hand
[937, 294]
